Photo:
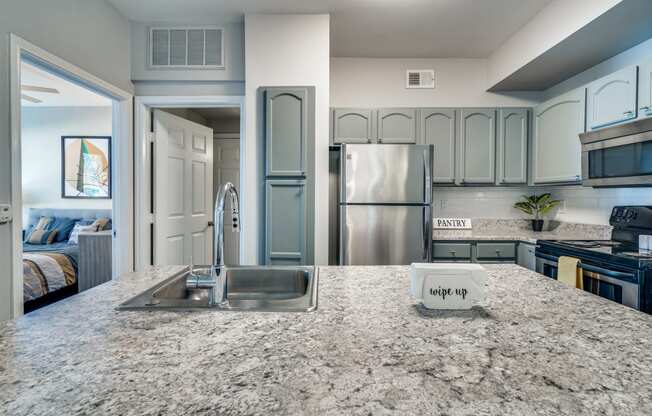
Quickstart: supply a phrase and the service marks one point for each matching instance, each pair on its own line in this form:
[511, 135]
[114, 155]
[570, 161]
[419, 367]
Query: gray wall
[88, 33]
[233, 57]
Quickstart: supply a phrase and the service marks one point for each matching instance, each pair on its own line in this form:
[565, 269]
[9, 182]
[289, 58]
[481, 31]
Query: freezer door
[385, 234]
[386, 174]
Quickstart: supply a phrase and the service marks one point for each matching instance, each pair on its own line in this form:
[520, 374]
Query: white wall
[581, 204]
[369, 82]
[88, 33]
[233, 56]
[286, 50]
[557, 21]
[42, 128]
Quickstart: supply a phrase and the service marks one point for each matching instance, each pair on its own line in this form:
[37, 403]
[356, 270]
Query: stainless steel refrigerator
[385, 204]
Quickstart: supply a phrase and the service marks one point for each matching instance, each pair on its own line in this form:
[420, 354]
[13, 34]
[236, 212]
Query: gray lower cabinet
[397, 125]
[526, 256]
[437, 126]
[611, 99]
[285, 131]
[285, 222]
[477, 145]
[442, 251]
[474, 251]
[556, 153]
[353, 125]
[512, 146]
[645, 90]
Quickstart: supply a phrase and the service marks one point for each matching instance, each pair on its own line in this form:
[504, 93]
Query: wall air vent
[186, 47]
[420, 78]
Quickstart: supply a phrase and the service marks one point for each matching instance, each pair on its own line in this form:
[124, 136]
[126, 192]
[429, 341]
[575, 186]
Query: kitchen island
[535, 347]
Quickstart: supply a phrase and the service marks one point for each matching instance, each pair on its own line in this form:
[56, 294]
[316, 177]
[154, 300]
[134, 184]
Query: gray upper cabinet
[512, 145]
[612, 99]
[437, 126]
[557, 124]
[285, 131]
[353, 125]
[645, 90]
[477, 145]
[285, 222]
[397, 125]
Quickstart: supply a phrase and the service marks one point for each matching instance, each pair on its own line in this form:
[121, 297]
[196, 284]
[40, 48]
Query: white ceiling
[369, 28]
[70, 94]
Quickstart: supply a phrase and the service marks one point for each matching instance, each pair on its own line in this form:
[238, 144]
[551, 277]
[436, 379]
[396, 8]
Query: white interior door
[183, 189]
[226, 154]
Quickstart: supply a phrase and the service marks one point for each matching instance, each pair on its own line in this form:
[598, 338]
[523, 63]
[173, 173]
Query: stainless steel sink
[248, 288]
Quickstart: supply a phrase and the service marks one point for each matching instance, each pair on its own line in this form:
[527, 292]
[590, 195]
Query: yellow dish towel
[569, 273]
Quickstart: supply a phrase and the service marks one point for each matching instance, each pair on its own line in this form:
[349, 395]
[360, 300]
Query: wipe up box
[448, 285]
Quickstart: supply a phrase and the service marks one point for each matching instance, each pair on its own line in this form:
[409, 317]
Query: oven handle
[590, 268]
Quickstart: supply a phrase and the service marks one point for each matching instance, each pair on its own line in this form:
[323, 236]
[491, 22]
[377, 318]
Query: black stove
[616, 269]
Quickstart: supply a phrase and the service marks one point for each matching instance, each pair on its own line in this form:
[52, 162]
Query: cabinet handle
[498, 253]
[628, 113]
[453, 253]
[644, 108]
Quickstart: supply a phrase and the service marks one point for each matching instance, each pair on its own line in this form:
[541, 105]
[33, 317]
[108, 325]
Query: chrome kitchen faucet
[216, 280]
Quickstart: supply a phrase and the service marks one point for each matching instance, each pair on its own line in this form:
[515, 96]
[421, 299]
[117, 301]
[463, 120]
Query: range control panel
[632, 216]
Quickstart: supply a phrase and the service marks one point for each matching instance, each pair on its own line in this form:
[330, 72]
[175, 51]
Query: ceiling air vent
[420, 78]
[186, 47]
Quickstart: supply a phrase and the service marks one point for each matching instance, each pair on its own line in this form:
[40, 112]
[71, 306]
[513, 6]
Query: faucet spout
[216, 280]
[218, 243]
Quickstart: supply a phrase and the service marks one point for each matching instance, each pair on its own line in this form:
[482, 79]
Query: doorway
[189, 150]
[67, 206]
[119, 105]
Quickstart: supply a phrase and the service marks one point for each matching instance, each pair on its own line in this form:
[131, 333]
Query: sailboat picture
[86, 167]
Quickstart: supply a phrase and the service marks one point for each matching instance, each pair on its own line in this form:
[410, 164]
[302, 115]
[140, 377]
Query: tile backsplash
[580, 204]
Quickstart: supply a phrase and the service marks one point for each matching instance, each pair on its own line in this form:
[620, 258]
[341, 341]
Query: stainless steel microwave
[618, 156]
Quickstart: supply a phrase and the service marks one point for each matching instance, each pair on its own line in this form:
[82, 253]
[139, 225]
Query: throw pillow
[101, 223]
[64, 227]
[37, 232]
[74, 235]
[41, 236]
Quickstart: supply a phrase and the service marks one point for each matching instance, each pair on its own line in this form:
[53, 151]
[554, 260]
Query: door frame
[144, 213]
[122, 127]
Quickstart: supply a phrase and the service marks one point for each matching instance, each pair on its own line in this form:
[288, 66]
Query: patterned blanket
[45, 272]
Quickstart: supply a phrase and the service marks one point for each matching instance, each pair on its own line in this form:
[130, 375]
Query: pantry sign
[452, 223]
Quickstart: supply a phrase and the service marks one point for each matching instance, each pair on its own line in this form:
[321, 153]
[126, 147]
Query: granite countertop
[519, 230]
[535, 347]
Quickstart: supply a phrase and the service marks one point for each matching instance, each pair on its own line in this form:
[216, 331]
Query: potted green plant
[537, 206]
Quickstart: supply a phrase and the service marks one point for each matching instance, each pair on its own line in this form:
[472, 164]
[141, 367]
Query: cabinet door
[557, 149]
[285, 131]
[437, 126]
[285, 222]
[397, 125]
[612, 99]
[512, 145]
[351, 125]
[526, 256]
[477, 145]
[645, 90]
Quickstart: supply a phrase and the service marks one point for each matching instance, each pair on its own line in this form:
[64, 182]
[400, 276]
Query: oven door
[622, 161]
[618, 286]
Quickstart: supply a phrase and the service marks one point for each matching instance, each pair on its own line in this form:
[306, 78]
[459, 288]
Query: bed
[51, 271]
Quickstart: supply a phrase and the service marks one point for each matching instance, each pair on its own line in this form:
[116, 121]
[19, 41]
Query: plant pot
[537, 225]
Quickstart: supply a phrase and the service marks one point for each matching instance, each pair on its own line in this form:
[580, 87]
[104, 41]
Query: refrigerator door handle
[427, 184]
[425, 213]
